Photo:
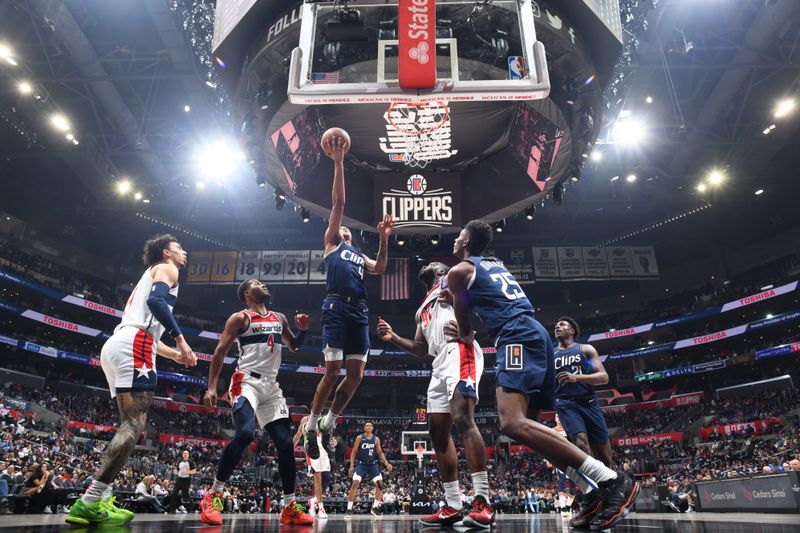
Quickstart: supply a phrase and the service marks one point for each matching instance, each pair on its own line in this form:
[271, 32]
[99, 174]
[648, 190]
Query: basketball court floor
[671, 523]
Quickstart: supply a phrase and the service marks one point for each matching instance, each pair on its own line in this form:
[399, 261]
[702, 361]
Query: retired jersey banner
[643, 440]
[578, 263]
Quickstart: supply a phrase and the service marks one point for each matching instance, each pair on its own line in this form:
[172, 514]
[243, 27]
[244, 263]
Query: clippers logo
[514, 357]
[417, 185]
[419, 206]
[420, 53]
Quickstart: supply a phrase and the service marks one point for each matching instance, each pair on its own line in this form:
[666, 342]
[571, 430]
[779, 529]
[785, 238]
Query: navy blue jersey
[573, 360]
[496, 297]
[366, 451]
[344, 271]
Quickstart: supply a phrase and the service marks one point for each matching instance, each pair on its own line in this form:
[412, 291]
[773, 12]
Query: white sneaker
[47, 510]
[321, 514]
[182, 509]
[312, 506]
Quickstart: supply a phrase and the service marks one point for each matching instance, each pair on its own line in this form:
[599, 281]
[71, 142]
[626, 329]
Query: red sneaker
[294, 514]
[482, 514]
[211, 509]
[447, 516]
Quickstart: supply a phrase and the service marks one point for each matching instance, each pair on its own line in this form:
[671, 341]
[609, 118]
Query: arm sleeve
[157, 303]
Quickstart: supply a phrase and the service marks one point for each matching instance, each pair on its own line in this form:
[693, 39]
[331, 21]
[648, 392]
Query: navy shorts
[583, 416]
[371, 472]
[527, 365]
[345, 330]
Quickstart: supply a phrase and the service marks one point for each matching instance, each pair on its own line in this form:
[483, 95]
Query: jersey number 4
[510, 287]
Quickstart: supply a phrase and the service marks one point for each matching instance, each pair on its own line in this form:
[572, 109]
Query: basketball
[332, 133]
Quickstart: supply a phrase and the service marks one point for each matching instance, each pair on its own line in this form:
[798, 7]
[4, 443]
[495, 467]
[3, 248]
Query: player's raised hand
[385, 331]
[210, 399]
[385, 227]
[302, 321]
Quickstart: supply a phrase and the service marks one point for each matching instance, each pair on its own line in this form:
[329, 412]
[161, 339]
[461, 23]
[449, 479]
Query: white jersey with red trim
[259, 344]
[431, 317]
[137, 314]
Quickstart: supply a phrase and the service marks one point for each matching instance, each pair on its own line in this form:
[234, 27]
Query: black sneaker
[348, 514]
[589, 505]
[618, 496]
[310, 443]
[328, 440]
[377, 511]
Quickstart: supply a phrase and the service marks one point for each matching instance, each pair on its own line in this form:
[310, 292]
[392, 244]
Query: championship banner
[730, 306]
[574, 263]
[620, 261]
[570, 262]
[518, 261]
[595, 262]
[675, 436]
[778, 350]
[545, 264]
[726, 430]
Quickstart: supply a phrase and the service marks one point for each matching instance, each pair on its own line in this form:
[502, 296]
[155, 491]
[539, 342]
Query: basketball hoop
[420, 453]
[421, 129]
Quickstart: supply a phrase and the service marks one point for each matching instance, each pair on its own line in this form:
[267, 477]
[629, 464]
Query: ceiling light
[630, 178]
[530, 212]
[615, 178]
[716, 176]
[69, 136]
[7, 54]
[218, 159]
[629, 131]
[305, 215]
[401, 240]
[769, 315]
[701, 187]
[123, 186]
[201, 185]
[499, 226]
[60, 122]
[25, 87]
[649, 99]
[75, 142]
[146, 201]
[784, 108]
[137, 196]
[434, 240]
[186, 109]
[759, 192]
[597, 155]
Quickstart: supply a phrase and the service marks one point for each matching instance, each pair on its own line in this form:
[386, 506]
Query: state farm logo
[417, 185]
[420, 53]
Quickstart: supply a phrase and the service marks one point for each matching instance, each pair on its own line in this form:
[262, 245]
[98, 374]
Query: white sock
[349, 505]
[94, 493]
[218, 486]
[584, 484]
[480, 484]
[596, 471]
[329, 420]
[452, 494]
[288, 499]
[313, 418]
[109, 492]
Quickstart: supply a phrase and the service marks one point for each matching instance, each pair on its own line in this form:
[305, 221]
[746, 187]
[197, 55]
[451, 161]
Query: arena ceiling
[123, 72]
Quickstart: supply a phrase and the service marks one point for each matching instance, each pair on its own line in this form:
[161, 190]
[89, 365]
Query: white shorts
[264, 394]
[459, 367]
[323, 464]
[128, 359]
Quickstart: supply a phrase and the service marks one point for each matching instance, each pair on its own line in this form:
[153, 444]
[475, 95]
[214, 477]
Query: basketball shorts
[264, 395]
[583, 416]
[323, 464]
[128, 359]
[457, 366]
[345, 330]
[526, 363]
[370, 471]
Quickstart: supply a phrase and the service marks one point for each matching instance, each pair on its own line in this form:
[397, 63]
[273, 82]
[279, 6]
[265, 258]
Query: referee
[183, 481]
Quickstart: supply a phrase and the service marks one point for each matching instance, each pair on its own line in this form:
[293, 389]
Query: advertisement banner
[595, 262]
[680, 400]
[774, 352]
[166, 403]
[620, 261]
[100, 428]
[167, 438]
[778, 492]
[726, 430]
[570, 262]
[545, 262]
[644, 262]
[675, 436]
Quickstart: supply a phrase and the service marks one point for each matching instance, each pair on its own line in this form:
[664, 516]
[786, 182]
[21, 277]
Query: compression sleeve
[157, 303]
[298, 339]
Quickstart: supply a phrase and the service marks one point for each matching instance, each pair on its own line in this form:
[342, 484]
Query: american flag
[394, 282]
[325, 77]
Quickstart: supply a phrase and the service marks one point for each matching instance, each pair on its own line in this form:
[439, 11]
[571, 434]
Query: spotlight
[615, 178]
[201, 185]
[280, 199]
[530, 212]
[573, 93]
[597, 155]
[759, 192]
[558, 193]
[123, 187]
[500, 225]
[401, 241]
[261, 180]
[629, 132]
[649, 99]
[574, 172]
[218, 159]
[784, 108]
[60, 122]
[305, 215]
[137, 196]
[701, 187]
[715, 177]
[187, 108]
[69, 136]
[7, 54]
[262, 97]
[630, 178]
[75, 142]
[25, 87]
[434, 240]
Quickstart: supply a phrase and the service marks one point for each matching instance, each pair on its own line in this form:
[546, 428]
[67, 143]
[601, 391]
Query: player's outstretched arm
[457, 281]
[418, 347]
[299, 433]
[290, 340]
[336, 151]
[165, 276]
[381, 456]
[378, 265]
[234, 325]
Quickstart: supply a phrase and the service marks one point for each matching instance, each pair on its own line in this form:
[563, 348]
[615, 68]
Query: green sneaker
[111, 503]
[96, 513]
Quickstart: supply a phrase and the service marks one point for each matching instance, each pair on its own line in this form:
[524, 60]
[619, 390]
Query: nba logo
[516, 67]
[514, 357]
